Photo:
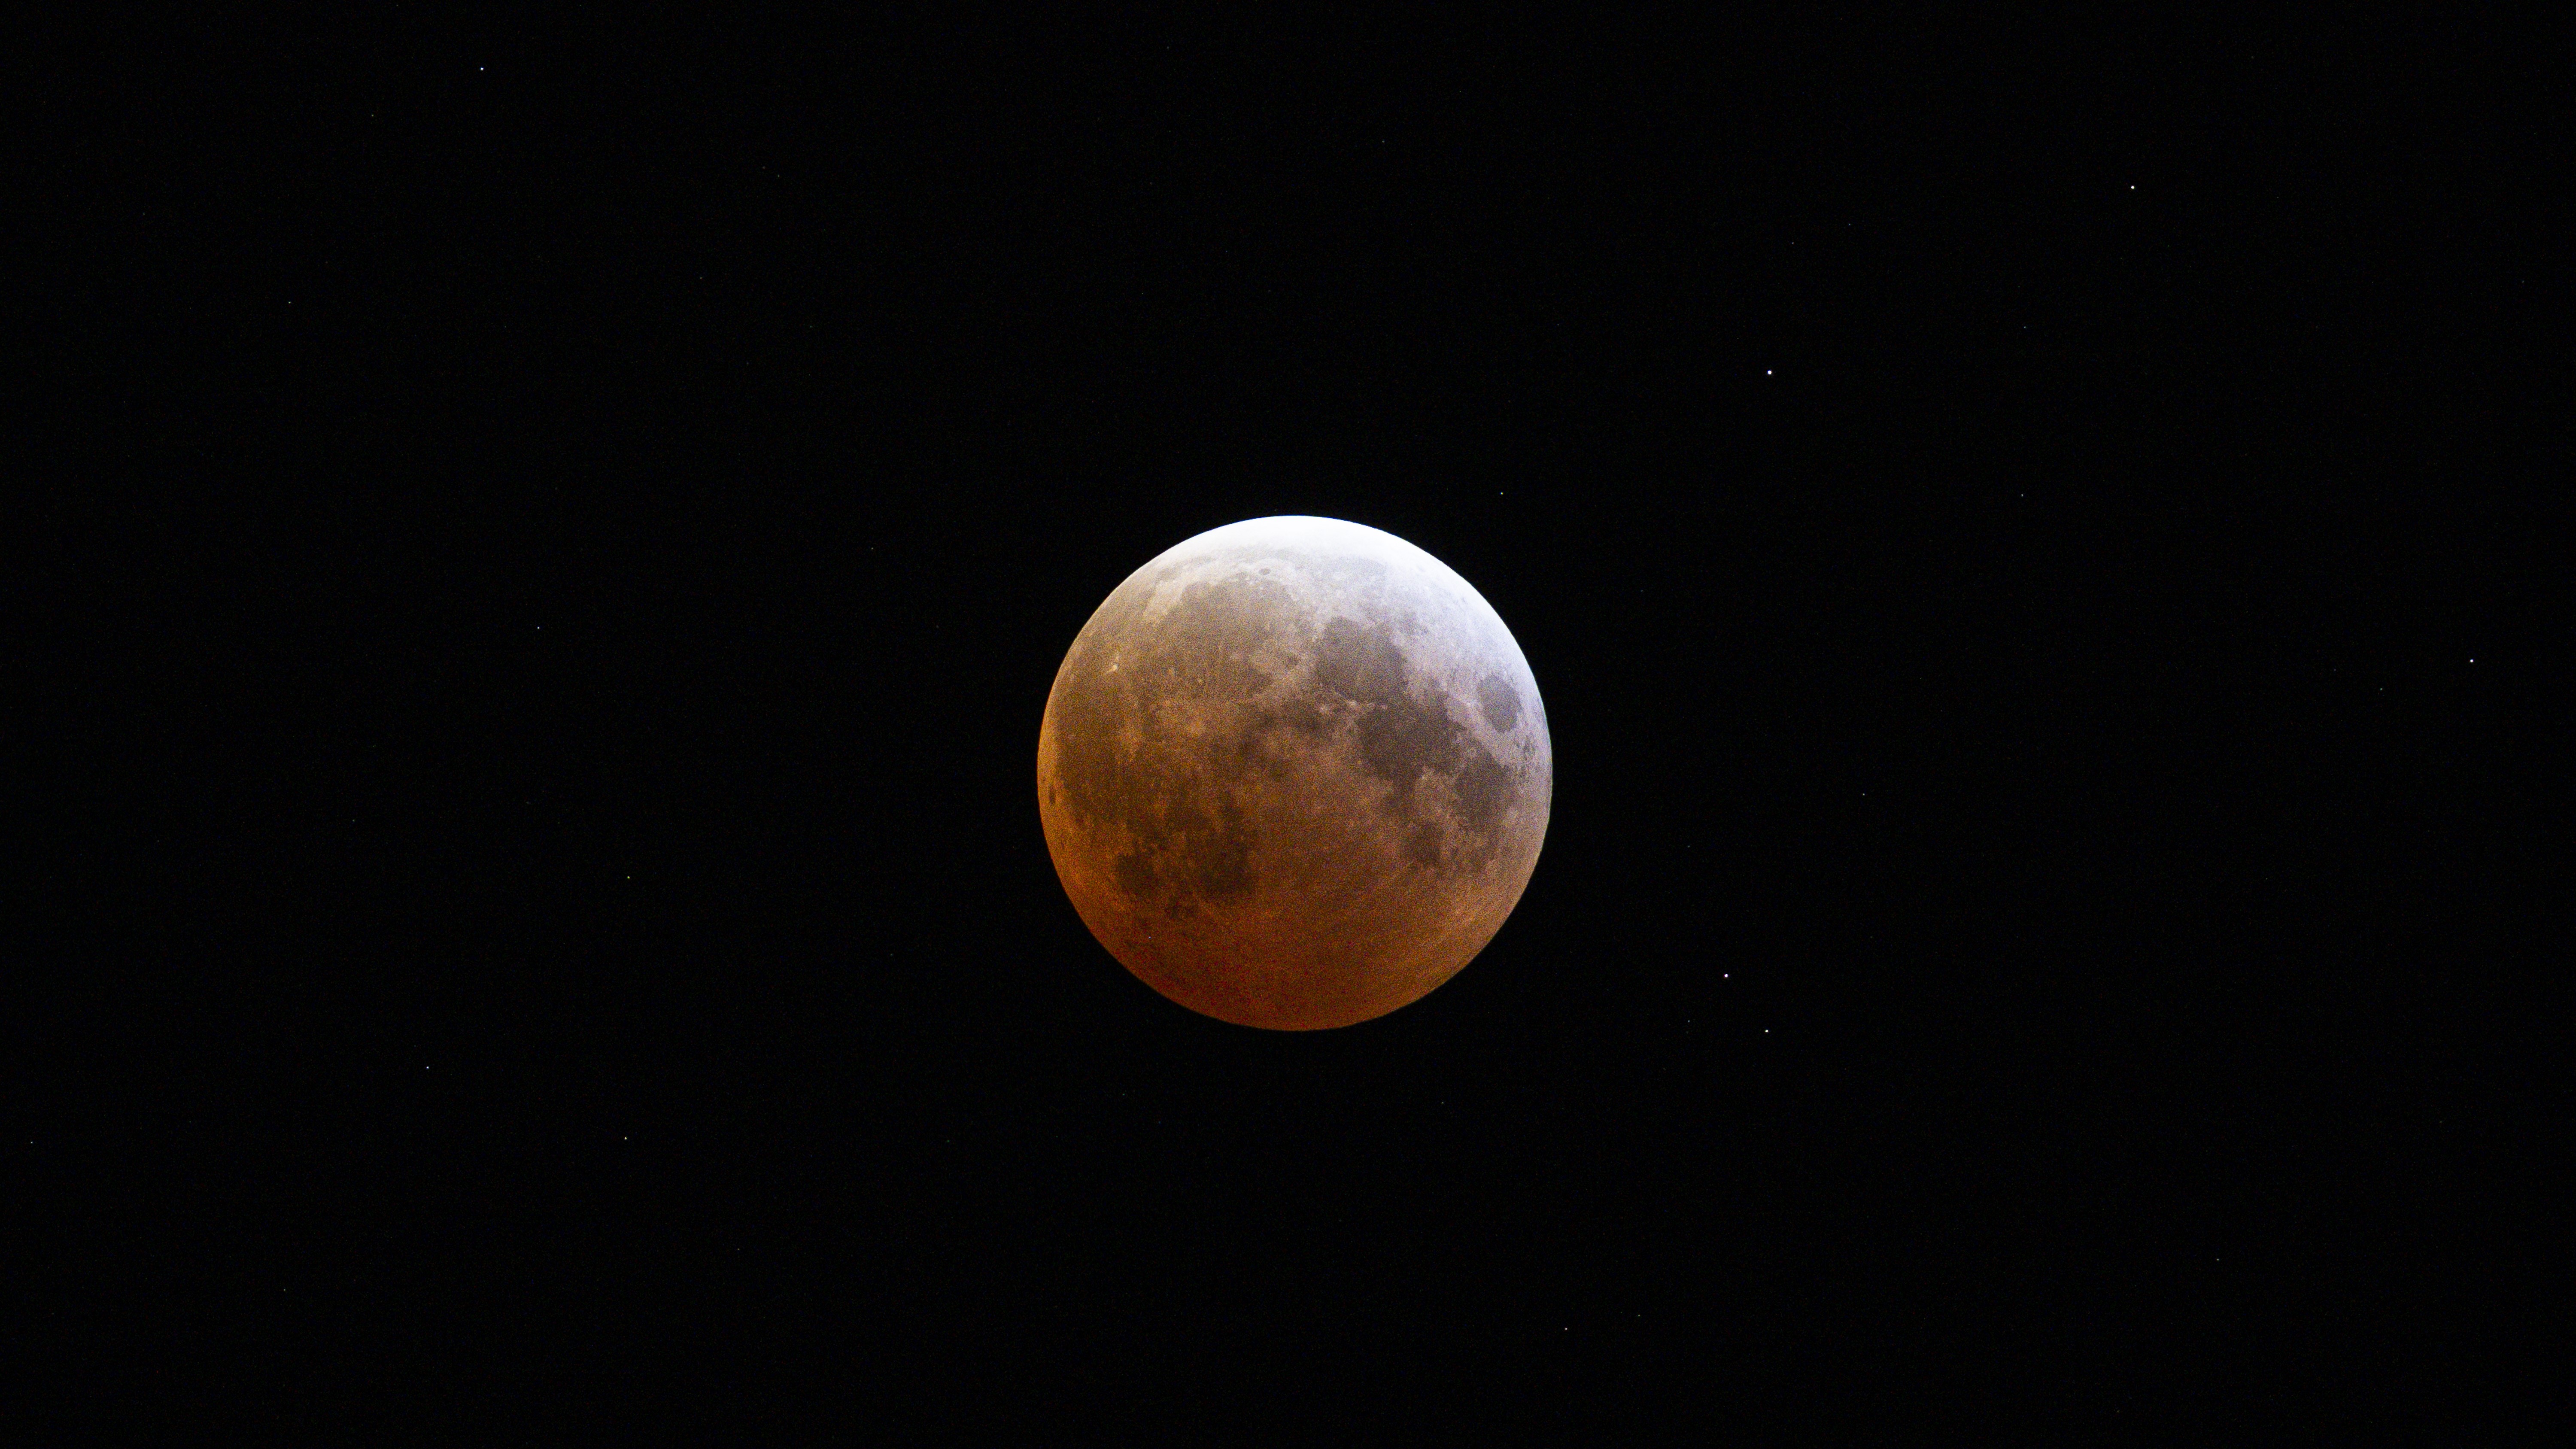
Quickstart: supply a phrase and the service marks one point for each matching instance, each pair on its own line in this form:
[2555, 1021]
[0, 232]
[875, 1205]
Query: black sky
[2031, 542]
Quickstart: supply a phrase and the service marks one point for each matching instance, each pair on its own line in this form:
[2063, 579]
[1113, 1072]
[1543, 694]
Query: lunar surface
[1294, 773]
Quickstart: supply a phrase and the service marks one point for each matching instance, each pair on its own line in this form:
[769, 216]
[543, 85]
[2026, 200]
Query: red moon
[1294, 773]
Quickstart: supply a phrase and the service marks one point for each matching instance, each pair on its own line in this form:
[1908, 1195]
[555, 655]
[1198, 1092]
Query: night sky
[551, 548]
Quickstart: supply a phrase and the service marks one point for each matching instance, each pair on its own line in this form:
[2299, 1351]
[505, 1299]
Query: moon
[1294, 773]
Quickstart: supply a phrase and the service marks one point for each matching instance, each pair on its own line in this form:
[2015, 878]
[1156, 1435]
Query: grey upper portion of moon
[1294, 773]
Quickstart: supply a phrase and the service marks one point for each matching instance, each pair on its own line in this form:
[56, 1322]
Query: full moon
[1294, 773]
